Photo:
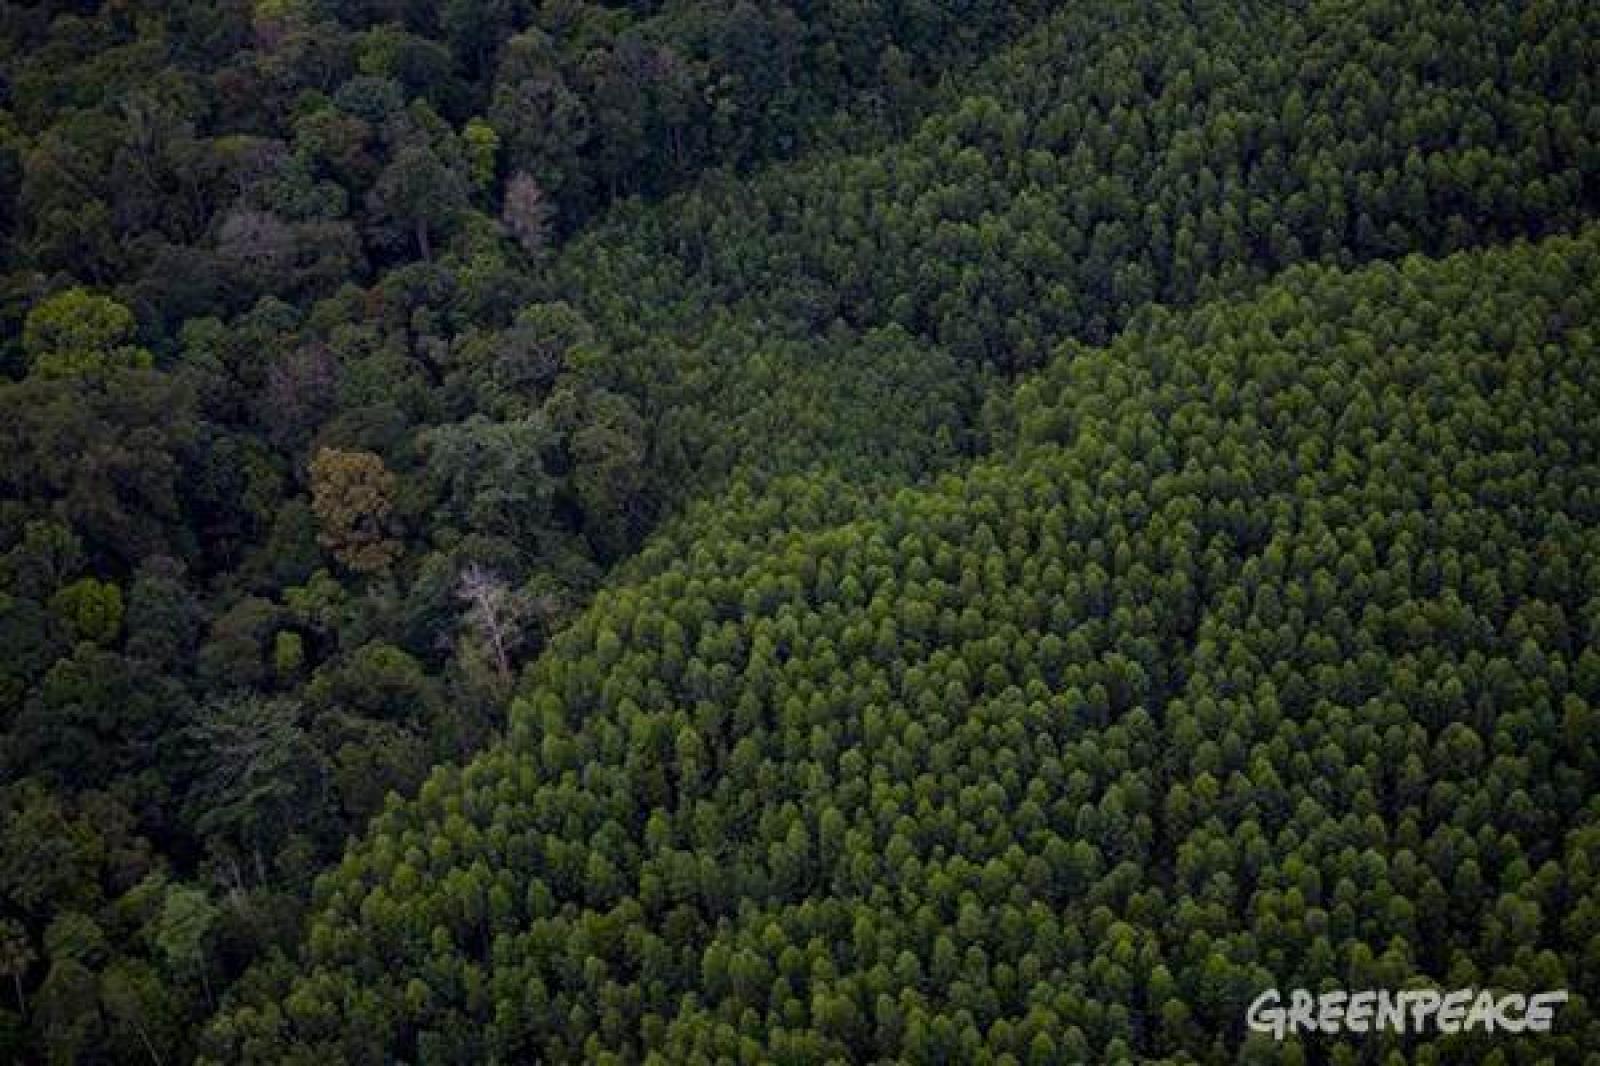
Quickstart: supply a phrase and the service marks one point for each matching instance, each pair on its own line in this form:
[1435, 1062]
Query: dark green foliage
[240, 237]
[1120, 154]
[365, 364]
[1238, 667]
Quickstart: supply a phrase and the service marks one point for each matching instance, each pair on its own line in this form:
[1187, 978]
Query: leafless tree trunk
[495, 611]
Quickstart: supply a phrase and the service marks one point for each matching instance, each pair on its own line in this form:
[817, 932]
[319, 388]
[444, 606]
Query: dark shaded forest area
[793, 532]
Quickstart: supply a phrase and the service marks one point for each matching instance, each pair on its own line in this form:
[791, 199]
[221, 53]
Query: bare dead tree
[495, 613]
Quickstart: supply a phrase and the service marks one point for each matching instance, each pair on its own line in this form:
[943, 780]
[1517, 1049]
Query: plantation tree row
[1263, 656]
[353, 347]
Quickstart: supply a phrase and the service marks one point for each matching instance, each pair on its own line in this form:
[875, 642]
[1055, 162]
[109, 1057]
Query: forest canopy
[932, 532]
[1222, 673]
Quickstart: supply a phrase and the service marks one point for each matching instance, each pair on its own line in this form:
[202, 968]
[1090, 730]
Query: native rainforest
[795, 531]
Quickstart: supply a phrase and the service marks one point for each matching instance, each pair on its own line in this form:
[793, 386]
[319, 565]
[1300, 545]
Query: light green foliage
[188, 921]
[78, 332]
[288, 654]
[93, 609]
[482, 147]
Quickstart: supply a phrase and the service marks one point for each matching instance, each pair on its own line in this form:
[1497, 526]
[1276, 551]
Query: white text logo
[1409, 1011]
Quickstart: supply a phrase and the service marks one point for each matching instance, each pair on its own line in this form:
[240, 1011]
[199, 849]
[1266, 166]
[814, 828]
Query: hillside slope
[850, 310]
[1263, 655]
[351, 347]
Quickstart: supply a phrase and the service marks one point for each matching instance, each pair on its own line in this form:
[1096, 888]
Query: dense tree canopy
[1233, 668]
[926, 531]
